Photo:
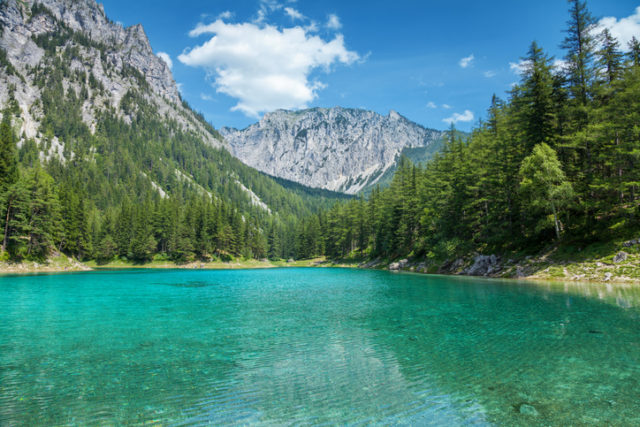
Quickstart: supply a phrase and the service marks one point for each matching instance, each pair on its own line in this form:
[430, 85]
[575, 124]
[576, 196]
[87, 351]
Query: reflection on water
[314, 346]
[622, 295]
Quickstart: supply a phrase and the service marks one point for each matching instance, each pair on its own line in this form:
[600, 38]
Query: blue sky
[405, 55]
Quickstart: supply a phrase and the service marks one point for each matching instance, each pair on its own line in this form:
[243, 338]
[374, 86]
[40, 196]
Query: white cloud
[519, 67]
[312, 27]
[466, 61]
[206, 97]
[560, 64]
[266, 7]
[227, 14]
[446, 106]
[333, 22]
[622, 29]
[489, 74]
[294, 14]
[166, 58]
[263, 67]
[431, 104]
[467, 116]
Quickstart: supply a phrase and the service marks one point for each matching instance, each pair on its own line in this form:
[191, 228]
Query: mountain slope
[92, 105]
[338, 149]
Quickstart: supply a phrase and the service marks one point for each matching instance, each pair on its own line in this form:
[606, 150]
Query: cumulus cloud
[333, 22]
[166, 58]
[264, 67]
[206, 97]
[622, 29]
[519, 67]
[227, 14]
[467, 116]
[467, 61]
[489, 74]
[293, 14]
[431, 104]
[446, 106]
[522, 66]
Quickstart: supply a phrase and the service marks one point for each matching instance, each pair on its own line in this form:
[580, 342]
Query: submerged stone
[526, 409]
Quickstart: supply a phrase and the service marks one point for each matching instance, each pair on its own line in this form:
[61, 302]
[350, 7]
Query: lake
[314, 346]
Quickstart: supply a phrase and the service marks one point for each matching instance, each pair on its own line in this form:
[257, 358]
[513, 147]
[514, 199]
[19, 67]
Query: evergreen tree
[8, 155]
[610, 58]
[580, 44]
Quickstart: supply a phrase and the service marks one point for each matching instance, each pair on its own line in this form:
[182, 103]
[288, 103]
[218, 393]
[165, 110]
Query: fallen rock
[620, 257]
[631, 243]
[607, 276]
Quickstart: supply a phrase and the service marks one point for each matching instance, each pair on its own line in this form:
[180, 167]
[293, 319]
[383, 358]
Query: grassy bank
[64, 264]
[53, 265]
[616, 262]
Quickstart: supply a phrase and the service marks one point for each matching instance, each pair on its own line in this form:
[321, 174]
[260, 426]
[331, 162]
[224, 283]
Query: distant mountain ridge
[339, 149]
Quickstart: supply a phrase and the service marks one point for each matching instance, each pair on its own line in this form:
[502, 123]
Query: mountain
[95, 121]
[99, 60]
[339, 149]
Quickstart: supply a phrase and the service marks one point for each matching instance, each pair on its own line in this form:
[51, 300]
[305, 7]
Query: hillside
[95, 128]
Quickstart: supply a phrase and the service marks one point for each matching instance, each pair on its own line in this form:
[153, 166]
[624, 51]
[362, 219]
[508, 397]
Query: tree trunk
[6, 227]
[555, 219]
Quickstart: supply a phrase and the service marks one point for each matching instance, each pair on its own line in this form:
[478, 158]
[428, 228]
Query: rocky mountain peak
[73, 47]
[87, 17]
[338, 149]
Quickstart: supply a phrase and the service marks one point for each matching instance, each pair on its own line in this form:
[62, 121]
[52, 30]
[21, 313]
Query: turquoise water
[314, 346]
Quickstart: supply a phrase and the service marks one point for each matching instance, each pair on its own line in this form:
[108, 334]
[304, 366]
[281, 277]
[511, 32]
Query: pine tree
[8, 155]
[634, 51]
[536, 99]
[580, 44]
[610, 58]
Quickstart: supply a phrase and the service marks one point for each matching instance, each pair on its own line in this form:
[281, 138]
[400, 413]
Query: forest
[557, 162]
[554, 162]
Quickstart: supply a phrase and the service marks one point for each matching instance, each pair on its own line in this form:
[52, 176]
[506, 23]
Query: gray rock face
[483, 265]
[395, 266]
[337, 149]
[620, 257]
[109, 56]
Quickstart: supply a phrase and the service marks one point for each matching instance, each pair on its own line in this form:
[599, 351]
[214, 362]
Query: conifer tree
[610, 58]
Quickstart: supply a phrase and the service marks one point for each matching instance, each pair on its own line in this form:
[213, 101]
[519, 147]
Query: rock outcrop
[338, 149]
[101, 61]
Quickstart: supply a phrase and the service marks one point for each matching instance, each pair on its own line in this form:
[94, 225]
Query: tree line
[559, 160]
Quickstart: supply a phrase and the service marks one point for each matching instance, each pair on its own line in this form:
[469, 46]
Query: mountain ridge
[339, 149]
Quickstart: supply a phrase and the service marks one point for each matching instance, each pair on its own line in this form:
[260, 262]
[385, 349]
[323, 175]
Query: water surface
[314, 346]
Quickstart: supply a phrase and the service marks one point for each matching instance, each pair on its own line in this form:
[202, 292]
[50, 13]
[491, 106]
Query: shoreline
[547, 275]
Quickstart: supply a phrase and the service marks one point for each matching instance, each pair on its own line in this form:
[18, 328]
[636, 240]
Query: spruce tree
[610, 58]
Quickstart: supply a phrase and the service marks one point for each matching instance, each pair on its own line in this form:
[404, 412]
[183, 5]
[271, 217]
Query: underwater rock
[526, 409]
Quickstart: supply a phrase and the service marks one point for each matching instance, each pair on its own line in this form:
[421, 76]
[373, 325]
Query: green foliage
[562, 153]
[544, 184]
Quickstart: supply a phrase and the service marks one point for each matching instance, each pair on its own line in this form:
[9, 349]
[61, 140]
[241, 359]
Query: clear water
[314, 346]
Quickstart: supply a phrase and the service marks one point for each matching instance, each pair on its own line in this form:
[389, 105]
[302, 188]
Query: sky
[433, 61]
